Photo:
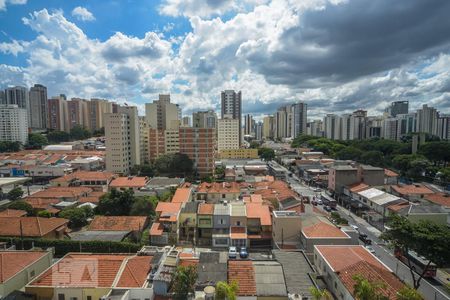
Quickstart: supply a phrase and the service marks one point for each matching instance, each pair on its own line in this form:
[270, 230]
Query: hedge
[62, 247]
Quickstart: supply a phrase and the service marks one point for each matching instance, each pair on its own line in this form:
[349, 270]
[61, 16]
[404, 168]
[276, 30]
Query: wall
[218, 224]
[309, 244]
[286, 229]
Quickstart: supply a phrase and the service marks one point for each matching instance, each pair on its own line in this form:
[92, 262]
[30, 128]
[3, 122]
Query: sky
[335, 55]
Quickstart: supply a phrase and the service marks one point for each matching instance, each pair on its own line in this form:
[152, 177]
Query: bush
[22, 205]
[44, 214]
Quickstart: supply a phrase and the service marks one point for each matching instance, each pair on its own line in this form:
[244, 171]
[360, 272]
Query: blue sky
[335, 55]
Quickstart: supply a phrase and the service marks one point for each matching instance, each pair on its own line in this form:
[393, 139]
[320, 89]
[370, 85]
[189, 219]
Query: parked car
[363, 237]
[232, 252]
[319, 201]
[370, 249]
[243, 252]
[327, 208]
[314, 202]
[354, 227]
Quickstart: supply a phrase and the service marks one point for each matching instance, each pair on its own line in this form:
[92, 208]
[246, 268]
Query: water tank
[210, 292]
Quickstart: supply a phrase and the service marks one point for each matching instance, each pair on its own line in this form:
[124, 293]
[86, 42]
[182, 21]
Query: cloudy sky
[336, 55]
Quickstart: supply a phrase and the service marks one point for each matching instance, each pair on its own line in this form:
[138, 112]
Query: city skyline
[88, 50]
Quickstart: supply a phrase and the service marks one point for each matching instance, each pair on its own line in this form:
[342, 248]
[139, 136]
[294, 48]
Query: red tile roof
[219, 187]
[243, 273]
[238, 233]
[185, 262]
[182, 195]
[12, 262]
[358, 187]
[13, 213]
[156, 229]
[398, 206]
[168, 211]
[86, 176]
[134, 274]
[323, 230]
[82, 270]
[261, 211]
[206, 209]
[129, 182]
[390, 173]
[374, 274]
[411, 189]
[118, 223]
[439, 198]
[31, 226]
[62, 192]
[42, 203]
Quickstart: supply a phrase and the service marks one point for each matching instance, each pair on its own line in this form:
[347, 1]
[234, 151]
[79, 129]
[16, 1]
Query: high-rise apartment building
[444, 127]
[199, 144]
[390, 128]
[406, 123]
[332, 127]
[227, 133]
[359, 122]
[13, 123]
[231, 102]
[122, 132]
[204, 119]
[186, 121]
[2, 97]
[96, 109]
[57, 113]
[157, 144]
[315, 128]
[144, 140]
[161, 114]
[268, 127]
[398, 107]
[249, 125]
[38, 107]
[77, 110]
[299, 119]
[258, 131]
[427, 120]
[19, 96]
[283, 122]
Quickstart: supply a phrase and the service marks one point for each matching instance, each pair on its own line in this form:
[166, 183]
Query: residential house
[269, 279]
[18, 268]
[12, 213]
[411, 192]
[218, 191]
[212, 268]
[182, 195]
[205, 224]
[98, 181]
[160, 185]
[323, 233]
[390, 177]
[286, 228]
[221, 225]
[341, 176]
[416, 212]
[259, 225]
[165, 230]
[134, 225]
[373, 176]
[70, 194]
[238, 223]
[337, 265]
[131, 182]
[188, 220]
[49, 228]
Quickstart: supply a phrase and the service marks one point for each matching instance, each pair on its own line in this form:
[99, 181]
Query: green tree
[22, 205]
[15, 194]
[219, 172]
[427, 239]
[79, 133]
[374, 158]
[266, 154]
[408, 293]
[184, 282]
[349, 153]
[177, 164]
[254, 145]
[147, 170]
[6, 146]
[363, 289]
[302, 140]
[319, 294]
[166, 196]
[143, 206]
[58, 136]
[99, 132]
[37, 140]
[225, 291]
[77, 216]
[116, 203]
[437, 152]
[44, 214]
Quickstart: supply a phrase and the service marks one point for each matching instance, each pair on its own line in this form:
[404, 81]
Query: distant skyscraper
[77, 110]
[232, 105]
[2, 97]
[315, 128]
[57, 113]
[19, 96]
[161, 114]
[332, 127]
[204, 119]
[406, 124]
[427, 120]
[96, 109]
[299, 119]
[268, 127]
[283, 122]
[199, 144]
[13, 123]
[258, 131]
[38, 107]
[398, 107]
[444, 127]
[186, 121]
[390, 128]
[227, 134]
[248, 124]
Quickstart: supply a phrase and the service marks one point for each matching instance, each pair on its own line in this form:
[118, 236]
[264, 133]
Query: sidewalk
[360, 221]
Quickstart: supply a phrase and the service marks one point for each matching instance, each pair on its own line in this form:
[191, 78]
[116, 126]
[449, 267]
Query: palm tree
[408, 293]
[225, 291]
[366, 290]
[319, 294]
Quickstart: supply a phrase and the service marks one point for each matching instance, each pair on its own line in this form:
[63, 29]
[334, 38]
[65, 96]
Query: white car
[354, 227]
[232, 252]
[370, 249]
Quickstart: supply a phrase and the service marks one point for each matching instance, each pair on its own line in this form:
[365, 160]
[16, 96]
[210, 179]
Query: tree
[375, 158]
[408, 293]
[58, 136]
[226, 291]
[254, 145]
[147, 170]
[37, 140]
[319, 294]
[219, 172]
[77, 216]
[44, 214]
[437, 152]
[7, 146]
[22, 205]
[116, 203]
[99, 132]
[143, 206]
[177, 164]
[166, 196]
[79, 133]
[15, 194]
[349, 153]
[363, 289]
[427, 239]
[184, 281]
[266, 154]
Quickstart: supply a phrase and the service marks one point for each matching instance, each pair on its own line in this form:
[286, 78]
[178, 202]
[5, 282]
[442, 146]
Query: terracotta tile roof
[129, 182]
[82, 270]
[86, 176]
[390, 173]
[42, 203]
[411, 189]
[62, 192]
[219, 187]
[341, 257]
[206, 209]
[185, 262]
[323, 230]
[156, 229]
[253, 198]
[13, 213]
[182, 195]
[31, 226]
[134, 274]
[373, 274]
[358, 187]
[168, 211]
[439, 198]
[398, 206]
[238, 233]
[261, 211]
[118, 223]
[243, 273]
[12, 262]
[89, 199]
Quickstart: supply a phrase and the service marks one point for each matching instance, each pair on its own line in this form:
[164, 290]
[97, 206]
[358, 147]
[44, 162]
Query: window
[89, 298]
[61, 297]
[238, 223]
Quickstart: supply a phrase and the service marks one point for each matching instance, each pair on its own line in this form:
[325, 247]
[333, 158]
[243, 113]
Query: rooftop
[118, 223]
[164, 181]
[12, 262]
[212, 267]
[411, 189]
[221, 209]
[13, 213]
[206, 209]
[190, 208]
[323, 230]
[99, 235]
[442, 199]
[129, 182]
[260, 211]
[135, 272]
[238, 210]
[30, 226]
[219, 187]
[358, 187]
[62, 192]
[242, 272]
[390, 173]
[168, 211]
[371, 168]
[344, 168]
[269, 279]
[86, 176]
[182, 195]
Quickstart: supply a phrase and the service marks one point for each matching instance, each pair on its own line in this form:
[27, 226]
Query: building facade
[161, 114]
[199, 144]
[227, 134]
[231, 102]
[38, 107]
[13, 123]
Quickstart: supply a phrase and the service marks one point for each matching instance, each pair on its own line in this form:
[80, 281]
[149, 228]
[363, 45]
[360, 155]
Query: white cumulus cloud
[81, 13]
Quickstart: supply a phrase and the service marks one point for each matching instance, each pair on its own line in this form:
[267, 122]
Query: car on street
[327, 208]
[363, 237]
[232, 252]
[354, 227]
[370, 249]
[317, 190]
[320, 202]
[243, 252]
